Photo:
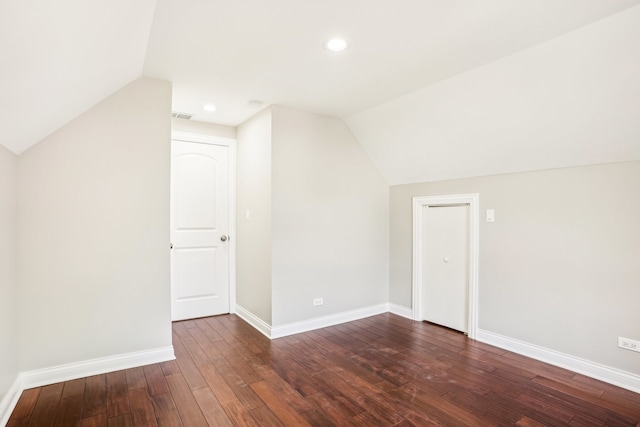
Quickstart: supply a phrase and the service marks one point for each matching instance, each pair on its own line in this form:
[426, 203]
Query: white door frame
[231, 143]
[455, 199]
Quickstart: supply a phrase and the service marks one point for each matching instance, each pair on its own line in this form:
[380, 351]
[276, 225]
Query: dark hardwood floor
[380, 371]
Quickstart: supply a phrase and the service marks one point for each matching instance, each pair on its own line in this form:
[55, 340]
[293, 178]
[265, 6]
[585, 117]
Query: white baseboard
[292, 328]
[258, 324]
[591, 369]
[87, 368]
[401, 311]
[325, 321]
[72, 371]
[10, 400]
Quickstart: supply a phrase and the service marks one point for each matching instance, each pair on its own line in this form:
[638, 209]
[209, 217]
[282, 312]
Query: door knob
[223, 238]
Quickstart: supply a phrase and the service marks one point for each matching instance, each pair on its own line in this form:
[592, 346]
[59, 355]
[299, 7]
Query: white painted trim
[10, 399]
[473, 200]
[325, 321]
[591, 369]
[253, 320]
[202, 139]
[401, 311]
[273, 332]
[231, 143]
[72, 371]
[232, 226]
[87, 368]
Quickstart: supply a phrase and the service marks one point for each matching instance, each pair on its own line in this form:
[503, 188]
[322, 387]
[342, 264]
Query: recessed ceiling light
[336, 45]
[209, 107]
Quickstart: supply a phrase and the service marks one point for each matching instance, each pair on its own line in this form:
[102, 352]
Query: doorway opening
[421, 270]
[202, 222]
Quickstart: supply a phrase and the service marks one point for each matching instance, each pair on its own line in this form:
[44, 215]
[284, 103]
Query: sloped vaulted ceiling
[59, 58]
[571, 101]
[230, 52]
[432, 89]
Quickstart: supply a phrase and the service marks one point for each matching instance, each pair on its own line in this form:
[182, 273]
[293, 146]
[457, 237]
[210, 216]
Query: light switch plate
[491, 215]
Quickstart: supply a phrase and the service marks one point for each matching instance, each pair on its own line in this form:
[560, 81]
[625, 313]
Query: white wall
[9, 305]
[253, 242]
[94, 232]
[202, 128]
[559, 267]
[329, 218]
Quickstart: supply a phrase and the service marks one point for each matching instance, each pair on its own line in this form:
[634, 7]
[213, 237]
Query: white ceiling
[59, 58]
[231, 52]
[571, 101]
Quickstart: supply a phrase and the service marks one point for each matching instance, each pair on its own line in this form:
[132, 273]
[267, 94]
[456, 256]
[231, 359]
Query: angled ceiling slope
[571, 101]
[231, 52]
[61, 57]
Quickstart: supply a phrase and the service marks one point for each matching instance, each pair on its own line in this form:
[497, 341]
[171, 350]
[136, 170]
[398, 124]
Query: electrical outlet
[318, 301]
[629, 344]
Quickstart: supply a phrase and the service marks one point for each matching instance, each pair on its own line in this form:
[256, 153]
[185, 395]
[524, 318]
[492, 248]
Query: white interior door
[445, 284]
[199, 230]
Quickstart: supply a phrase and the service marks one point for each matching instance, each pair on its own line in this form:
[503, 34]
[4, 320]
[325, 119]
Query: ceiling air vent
[178, 115]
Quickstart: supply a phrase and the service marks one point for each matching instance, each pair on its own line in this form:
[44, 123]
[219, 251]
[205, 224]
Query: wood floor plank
[241, 365]
[209, 331]
[69, 411]
[135, 378]
[46, 408]
[141, 408]
[285, 391]
[527, 411]
[528, 422]
[118, 407]
[217, 383]
[296, 376]
[572, 401]
[187, 366]
[545, 407]
[195, 351]
[266, 418]
[180, 329]
[334, 408]
[239, 415]
[117, 396]
[156, 382]
[379, 371]
[122, 420]
[73, 387]
[95, 396]
[287, 414]
[26, 403]
[203, 340]
[216, 323]
[165, 410]
[357, 394]
[99, 420]
[170, 368]
[18, 422]
[186, 404]
[240, 388]
[211, 408]
[585, 420]
[437, 408]
[480, 407]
